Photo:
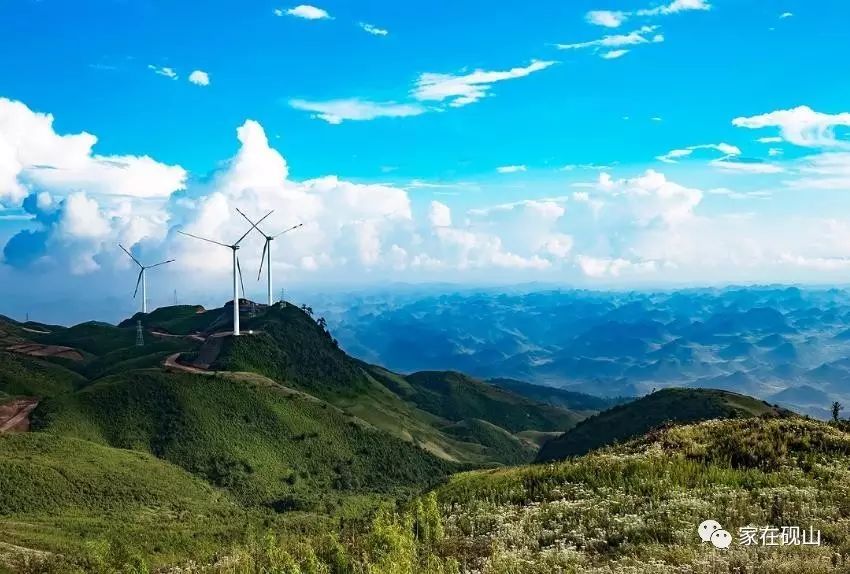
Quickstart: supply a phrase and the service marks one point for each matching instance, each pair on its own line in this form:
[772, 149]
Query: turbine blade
[248, 219]
[239, 268]
[252, 228]
[288, 230]
[138, 282]
[163, 263]
[203, 239]
[130, 255]
[263, 258]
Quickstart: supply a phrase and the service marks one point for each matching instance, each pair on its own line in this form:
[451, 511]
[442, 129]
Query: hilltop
[633, 419]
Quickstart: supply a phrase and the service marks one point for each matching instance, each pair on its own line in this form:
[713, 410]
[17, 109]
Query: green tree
[836, 409]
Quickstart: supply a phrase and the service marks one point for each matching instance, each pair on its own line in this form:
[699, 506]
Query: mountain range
[782, 344]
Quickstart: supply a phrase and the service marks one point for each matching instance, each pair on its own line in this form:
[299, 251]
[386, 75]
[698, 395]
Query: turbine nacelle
[237, 268]
[142, 276]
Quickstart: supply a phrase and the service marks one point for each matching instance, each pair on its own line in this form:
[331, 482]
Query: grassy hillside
[56, 492]
[29, 376]
[265, 444]
[635, 508]
[291, 347]
[456, 396]
[569, 400]
[636, 418]
[93, 337]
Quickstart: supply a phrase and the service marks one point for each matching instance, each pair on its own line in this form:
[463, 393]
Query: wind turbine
[142, 278]
[236, 269]
[266, 257]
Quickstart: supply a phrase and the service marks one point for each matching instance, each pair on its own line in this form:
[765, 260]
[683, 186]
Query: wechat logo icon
[711, 531]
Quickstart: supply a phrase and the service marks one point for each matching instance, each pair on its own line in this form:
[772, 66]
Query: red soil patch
[36, 350]
[15, 415]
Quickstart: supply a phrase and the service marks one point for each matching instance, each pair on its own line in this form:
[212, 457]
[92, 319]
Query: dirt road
[14, 415]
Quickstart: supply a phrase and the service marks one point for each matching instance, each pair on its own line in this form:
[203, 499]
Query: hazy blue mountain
[755, 340]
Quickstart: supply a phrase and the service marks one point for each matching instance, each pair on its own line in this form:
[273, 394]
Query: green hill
[570, 400]
[30, 376]
[290, 347]
[636, 507]
[262, 442]
[56, 492]
[456, 396]
[633, 419]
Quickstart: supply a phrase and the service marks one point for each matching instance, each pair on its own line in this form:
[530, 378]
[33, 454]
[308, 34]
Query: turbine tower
[237, 269]
[142, 280]
[266, 257]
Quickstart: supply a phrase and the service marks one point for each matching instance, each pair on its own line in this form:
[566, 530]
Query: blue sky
[584, 142]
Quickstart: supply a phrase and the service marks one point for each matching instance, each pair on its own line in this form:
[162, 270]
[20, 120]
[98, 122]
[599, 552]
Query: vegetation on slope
[636, 418]
[266, 445]
[94, 337]
[27, 376]
[569, 400]
[56, 490]
[456, 396]
[636, 507]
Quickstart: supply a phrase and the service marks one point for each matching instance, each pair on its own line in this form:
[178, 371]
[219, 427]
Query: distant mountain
[633, 419]
[608, 343]
[569, 400]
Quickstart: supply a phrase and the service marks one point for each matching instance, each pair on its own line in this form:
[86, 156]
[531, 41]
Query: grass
[627, 421]
[57, 492]
[28, 376]
[634, 508]
[266, 446]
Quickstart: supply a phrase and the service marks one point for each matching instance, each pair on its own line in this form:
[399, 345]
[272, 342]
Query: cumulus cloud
[464, 89]
[801, 126]
[307, 12]
[606, 18]
[439, 214]
[199, 78]
[34, 157]
[337, 111]
[601, 267]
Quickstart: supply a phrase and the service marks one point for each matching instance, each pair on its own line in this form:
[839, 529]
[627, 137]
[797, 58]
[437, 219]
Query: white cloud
[439, 214]
[353, 109]
[614, 19]
[307, 12]
[163, 71]
[462, 90]
[801, 126]
[675, 7]
[769, 140]
[785, 15]
[33, 156]
[606, 18]
[672, 156]
[614, 54]
[825, 171]
[199, 78]
[644, 35]
[774, 152]
[650, 198]
[374, 30]
[600, 267]
[511, 168]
